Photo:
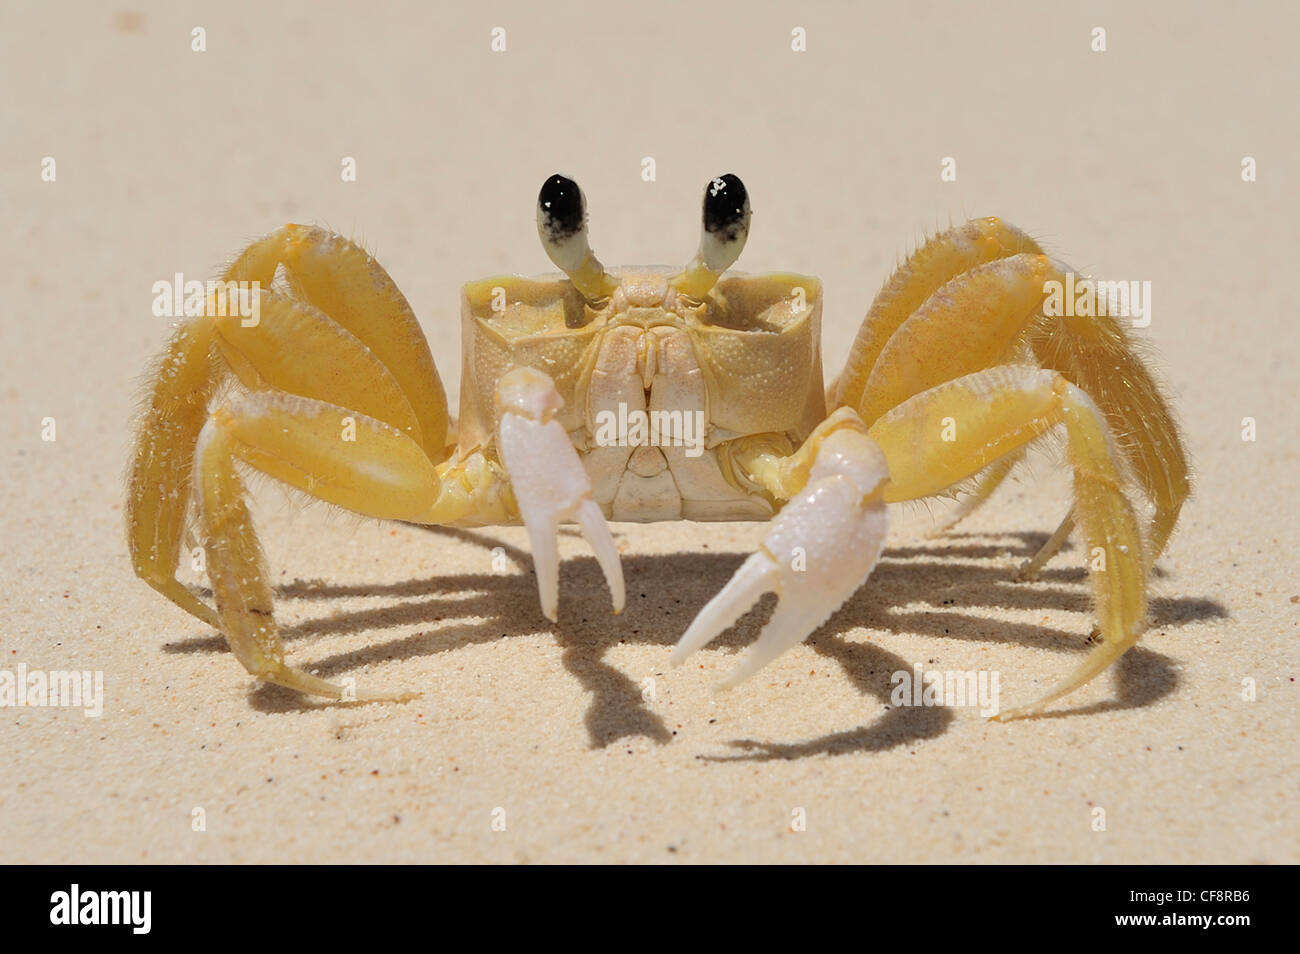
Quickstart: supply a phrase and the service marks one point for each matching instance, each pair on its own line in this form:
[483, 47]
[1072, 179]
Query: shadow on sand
[504, 605]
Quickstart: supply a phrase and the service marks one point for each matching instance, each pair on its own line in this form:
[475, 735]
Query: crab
[647, 394]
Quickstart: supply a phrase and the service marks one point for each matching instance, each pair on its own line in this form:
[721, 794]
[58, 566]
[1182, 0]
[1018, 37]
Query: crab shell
[744, 362]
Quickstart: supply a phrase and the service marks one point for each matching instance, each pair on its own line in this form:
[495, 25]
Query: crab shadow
[921, 590]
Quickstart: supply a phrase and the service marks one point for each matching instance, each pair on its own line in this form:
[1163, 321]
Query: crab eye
[726, 226]
[726, 222]
[562, 227]
[561, 213]
[726, 209]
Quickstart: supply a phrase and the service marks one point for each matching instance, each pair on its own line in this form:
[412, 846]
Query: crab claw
[549, 482]
[822, 546]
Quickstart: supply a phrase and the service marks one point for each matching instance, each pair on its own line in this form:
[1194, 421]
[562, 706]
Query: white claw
[821, 547]
[596, 530]
[756, 576]
[549, 482]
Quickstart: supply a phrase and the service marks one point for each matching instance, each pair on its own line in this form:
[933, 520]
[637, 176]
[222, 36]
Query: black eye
[726, 208]
[561, 208]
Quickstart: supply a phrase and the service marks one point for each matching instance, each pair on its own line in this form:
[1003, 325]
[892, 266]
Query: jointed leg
[159, 488]
[974, 322]
[340, 279]
[970, 299]
[381, 473]
[351, 340]
[938, 261]
[995, 412]
[372, 468]
[1030, 568]
[1095, 354]
[298, 349]
[345, 405]
[986, 483]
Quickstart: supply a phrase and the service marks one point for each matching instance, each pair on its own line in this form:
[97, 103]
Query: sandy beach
[129, 156]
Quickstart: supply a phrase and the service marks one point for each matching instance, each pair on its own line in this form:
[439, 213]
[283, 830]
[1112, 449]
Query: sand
[575, 742]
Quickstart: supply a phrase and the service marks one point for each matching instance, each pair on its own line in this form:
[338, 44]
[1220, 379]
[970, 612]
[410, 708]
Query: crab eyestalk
[562, 227]
[726, 227]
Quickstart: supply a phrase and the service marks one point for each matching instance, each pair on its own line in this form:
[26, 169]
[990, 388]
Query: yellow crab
[645, 394]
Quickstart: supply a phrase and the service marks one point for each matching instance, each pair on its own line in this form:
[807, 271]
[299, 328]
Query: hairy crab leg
[383, 473]
[987, 482]
[1030, 569]
[366, 352]
[998, 411]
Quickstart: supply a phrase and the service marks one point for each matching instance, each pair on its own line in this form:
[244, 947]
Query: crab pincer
[820, 549]
[549, 482]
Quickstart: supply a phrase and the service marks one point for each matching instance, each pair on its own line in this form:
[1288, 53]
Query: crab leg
[929, 268]
[336, 276]
[346, 336]
[382, 473]
[821, 548]
[161, 481]
[996, 412]
[987, 482]
[1030, 569]
[549, 482]
[966, 301]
